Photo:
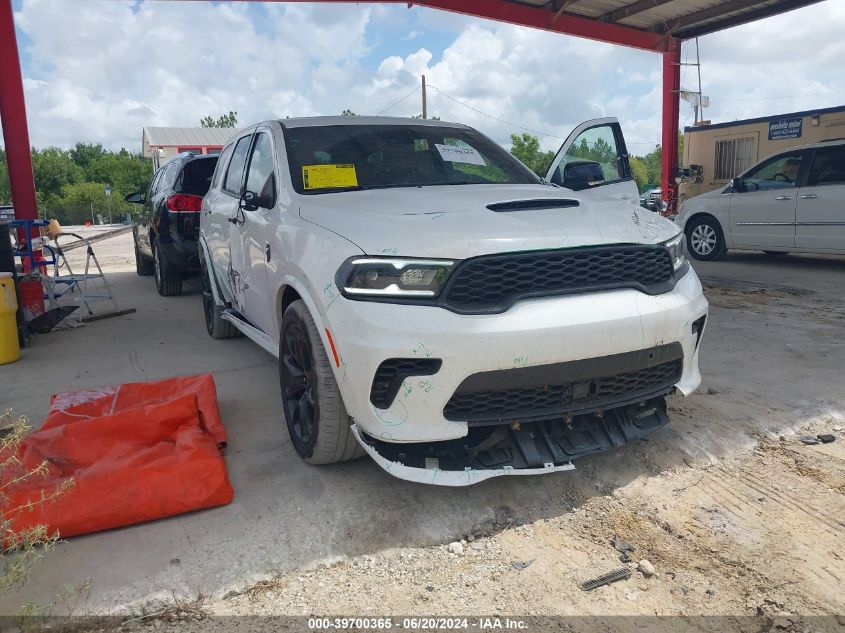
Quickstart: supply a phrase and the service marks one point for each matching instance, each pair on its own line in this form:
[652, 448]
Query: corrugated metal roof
[680, 18]
[188, 136]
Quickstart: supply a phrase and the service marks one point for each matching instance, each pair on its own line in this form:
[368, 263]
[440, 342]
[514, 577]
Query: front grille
[492, 283]
[581, 395]
[392, 372]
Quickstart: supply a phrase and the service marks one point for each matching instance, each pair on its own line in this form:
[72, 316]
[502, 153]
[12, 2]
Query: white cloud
[101, 70]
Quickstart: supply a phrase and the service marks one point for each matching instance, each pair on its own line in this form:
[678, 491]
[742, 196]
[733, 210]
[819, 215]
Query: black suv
[166, 232]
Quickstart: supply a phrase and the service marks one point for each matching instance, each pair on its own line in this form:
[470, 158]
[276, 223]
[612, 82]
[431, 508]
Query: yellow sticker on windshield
[328, 176]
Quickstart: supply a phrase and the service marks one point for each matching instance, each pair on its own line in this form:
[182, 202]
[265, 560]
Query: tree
[224, 120]
[54, 169]
[639, 171]
[348, 112]
[431, 118]
[83, 154]
[527, 149]
[5, 190]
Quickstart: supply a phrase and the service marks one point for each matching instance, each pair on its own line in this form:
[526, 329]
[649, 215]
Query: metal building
[160, 143]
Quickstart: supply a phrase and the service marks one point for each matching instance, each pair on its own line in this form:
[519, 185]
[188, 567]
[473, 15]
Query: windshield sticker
[328, 176]
[468, 155]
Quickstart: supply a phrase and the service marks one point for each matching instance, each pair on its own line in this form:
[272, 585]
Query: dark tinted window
[235, 172]
[828, 166]
[171, 170]
[341, 157]
[154, 183]
[196, 176]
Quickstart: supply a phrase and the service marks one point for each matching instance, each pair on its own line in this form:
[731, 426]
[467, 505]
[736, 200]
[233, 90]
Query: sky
[100, 70]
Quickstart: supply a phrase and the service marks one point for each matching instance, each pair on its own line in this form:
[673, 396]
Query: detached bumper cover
[520, 449]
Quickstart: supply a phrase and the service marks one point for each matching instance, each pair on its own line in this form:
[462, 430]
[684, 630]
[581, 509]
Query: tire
[776, 253]
[319, 426]
[705, 239]
[143, 266]
[213, 313]
[168, 278]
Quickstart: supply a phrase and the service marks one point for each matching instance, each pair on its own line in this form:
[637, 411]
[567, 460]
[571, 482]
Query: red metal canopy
[653, 25]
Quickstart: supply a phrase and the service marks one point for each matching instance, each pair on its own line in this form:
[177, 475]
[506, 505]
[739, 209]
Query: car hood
[454, 221]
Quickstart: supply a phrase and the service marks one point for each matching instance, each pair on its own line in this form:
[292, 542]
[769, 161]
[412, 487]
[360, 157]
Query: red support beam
[671, 112]
[13, 114]
[538, 18]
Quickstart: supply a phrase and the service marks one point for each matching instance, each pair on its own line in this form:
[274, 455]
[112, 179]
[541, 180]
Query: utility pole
[424, 100]
[699, 110]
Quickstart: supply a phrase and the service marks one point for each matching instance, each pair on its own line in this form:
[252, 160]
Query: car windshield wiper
[338, 189]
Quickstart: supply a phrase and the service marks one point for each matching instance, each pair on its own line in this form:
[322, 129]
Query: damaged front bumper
[533, 448]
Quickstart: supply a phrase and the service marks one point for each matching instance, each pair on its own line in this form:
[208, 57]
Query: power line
[817, 94]
[521, 127]
[400, 100]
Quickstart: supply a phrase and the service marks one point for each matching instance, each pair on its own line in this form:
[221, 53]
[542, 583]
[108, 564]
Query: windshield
[325, 159]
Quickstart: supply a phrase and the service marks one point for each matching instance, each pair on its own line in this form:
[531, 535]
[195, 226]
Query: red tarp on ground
[136, 452]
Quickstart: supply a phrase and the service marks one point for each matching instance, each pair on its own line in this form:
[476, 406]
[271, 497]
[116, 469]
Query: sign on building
[785, 128]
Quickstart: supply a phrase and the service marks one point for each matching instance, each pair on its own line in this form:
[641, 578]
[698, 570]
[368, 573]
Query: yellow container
[10, 349]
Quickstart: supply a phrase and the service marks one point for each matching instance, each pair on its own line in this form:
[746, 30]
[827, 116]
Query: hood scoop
[541, 204]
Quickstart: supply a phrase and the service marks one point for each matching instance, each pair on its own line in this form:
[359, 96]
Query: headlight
[387, 277]
[675, 246]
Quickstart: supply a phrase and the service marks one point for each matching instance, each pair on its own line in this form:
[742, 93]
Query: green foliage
[527, 149]
[5, 191]
[431, 118]
[348, 112]
[224, 120]
[600, 151]
[639, 171]
[68, 180]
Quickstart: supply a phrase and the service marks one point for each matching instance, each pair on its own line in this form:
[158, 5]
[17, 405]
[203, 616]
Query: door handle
[784, 198]
[810, 196]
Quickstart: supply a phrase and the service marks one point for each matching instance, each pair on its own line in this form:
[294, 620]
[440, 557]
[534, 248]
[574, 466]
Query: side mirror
[249, 201]
[582, 174]
[737, 184]
[136, 198]
[267, 197]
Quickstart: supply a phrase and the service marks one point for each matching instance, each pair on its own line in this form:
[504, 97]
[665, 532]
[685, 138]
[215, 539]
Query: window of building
[189, 148]
[213, 149]
[734, 156]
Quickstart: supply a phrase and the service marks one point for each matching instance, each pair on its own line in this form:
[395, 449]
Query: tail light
[183, 203]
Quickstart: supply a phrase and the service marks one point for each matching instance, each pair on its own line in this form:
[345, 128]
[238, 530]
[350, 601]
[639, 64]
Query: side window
[234, 174]
[594, 145]
[780, 172]
[171, 170]
[259, 177]
[151, 191]
[221, 166]
[828, 167]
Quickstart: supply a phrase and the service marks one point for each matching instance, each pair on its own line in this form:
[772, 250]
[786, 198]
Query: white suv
[792, 201]
[434, 303]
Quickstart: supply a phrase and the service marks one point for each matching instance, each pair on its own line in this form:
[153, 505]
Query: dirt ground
[759, 534]
[733, 513]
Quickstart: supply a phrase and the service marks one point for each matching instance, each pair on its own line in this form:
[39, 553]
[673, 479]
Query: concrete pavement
[772, 361]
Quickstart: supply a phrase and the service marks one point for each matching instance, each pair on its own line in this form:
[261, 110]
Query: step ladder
[91, 286]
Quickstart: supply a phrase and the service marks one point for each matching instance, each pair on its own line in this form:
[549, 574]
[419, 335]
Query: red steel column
[13, 113]
[671, 112]
[18, 157]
